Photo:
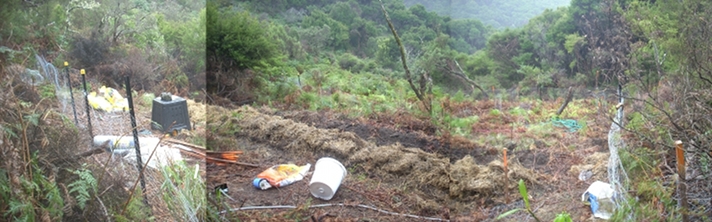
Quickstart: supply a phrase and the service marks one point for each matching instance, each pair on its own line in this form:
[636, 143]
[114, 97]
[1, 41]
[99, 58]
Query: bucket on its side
[327, 177]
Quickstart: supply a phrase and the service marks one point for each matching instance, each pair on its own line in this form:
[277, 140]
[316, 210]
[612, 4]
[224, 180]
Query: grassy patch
[184, 191]
[650, 199]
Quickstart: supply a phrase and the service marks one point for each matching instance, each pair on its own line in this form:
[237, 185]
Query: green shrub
[461, 126]
[239, 37]
[347, 61]
[47, 91]
[277, 90]
[308, 99]
[366, 65]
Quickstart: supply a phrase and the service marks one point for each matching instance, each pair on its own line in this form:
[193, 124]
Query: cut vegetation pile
[413, 166]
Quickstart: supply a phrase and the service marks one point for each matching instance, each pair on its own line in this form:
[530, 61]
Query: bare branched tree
[424, 88]
[453, 68]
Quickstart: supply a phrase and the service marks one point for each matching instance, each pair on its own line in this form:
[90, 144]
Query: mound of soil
[394, 129]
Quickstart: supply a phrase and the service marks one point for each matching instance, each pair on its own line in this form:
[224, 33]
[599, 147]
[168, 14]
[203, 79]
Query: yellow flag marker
[82, 72]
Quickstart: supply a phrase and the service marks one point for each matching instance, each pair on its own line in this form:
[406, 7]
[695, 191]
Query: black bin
[170, 113]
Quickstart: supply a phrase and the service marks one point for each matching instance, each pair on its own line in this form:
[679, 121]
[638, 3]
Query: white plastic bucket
[328, 175]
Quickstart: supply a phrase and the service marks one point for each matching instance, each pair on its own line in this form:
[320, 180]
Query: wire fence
[174, 190]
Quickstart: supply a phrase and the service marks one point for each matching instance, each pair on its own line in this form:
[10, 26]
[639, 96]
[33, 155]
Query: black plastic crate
[170, 113]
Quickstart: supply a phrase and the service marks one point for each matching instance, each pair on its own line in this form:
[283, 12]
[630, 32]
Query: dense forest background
[585, 44]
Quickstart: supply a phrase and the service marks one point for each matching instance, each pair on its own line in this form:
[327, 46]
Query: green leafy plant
[525, 197]
[84, 187]
[460, 126]
[37, 196]
[47, 91]
[563, 217]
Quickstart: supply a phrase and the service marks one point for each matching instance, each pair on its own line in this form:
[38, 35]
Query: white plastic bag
[600, 196]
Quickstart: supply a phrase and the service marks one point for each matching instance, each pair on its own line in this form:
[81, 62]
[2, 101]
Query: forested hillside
[558, 48]
[498, 14]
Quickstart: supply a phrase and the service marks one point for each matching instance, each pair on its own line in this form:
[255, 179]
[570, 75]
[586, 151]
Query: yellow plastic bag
[280, 176]
[99, 103]
[118, 102]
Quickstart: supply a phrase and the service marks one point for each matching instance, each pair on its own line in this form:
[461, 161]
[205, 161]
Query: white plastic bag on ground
[600, 196]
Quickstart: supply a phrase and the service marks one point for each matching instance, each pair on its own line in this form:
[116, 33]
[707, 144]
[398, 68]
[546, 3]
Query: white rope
[333, 205]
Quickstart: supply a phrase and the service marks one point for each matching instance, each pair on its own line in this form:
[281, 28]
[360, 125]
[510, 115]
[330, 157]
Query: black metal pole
[86, 98]
[139, 162]
[71, 94]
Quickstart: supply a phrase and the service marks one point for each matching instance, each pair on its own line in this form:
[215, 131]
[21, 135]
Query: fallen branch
[461, 75]
[569, 96]
[333, 205]
[88, 153]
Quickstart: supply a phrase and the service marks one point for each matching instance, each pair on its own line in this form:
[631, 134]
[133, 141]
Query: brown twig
[133, 189]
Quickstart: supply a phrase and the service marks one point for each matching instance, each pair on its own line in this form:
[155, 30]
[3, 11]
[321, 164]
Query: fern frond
[83, 187]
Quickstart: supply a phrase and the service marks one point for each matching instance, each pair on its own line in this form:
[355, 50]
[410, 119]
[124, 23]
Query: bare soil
[398, 168]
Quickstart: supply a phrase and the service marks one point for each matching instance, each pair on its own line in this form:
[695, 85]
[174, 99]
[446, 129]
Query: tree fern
[84, 187]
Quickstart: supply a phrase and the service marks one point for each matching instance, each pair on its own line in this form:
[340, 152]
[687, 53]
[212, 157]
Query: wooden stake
[506, 176]
[681, 185]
